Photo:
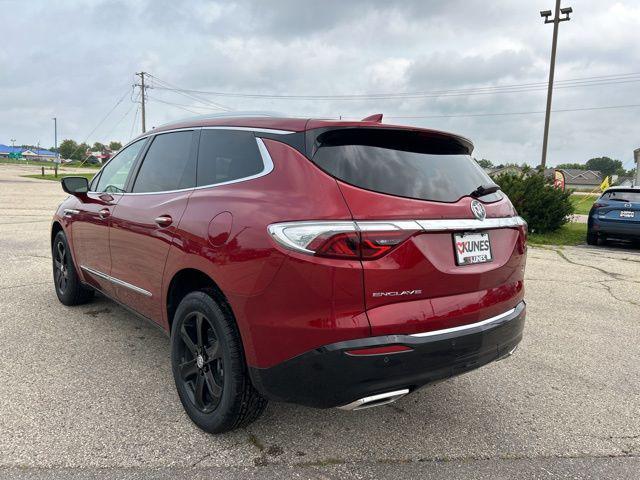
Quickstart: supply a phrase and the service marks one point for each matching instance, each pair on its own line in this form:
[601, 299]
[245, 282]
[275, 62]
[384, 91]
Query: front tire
[209, 368]
[69, 288]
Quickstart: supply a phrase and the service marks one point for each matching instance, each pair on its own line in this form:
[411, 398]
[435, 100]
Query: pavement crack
[613, 275]
[614, 296]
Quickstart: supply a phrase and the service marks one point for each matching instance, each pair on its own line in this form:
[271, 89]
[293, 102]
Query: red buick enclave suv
[325, 263]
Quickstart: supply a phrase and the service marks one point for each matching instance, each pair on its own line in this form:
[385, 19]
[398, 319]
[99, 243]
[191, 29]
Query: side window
[115, 173]
[168, 165]
[226, 155]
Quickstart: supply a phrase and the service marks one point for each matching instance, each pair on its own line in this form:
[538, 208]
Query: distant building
[576, 179]
[27, 153]
[99, 156]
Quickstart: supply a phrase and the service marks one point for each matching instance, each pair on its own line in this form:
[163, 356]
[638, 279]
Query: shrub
[544, 208]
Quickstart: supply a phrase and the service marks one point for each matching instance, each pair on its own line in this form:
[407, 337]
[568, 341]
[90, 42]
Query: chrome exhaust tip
[509, 353]
[375, 400]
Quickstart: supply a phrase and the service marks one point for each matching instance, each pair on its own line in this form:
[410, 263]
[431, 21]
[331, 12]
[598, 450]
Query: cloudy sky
[76, 59]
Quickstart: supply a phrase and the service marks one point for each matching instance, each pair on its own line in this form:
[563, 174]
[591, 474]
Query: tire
[69, 288]
[592, 238]
[209, 368]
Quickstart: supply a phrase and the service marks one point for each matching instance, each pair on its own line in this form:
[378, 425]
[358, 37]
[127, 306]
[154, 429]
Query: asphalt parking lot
[88, 392]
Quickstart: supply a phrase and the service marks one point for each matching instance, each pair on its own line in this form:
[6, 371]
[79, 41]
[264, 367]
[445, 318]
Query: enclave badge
[478, 210]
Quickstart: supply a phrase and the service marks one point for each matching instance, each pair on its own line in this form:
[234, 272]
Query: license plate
[626, 214]
[472, 248]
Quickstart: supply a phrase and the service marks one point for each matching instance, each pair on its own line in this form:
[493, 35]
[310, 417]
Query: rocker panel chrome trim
[117, 281]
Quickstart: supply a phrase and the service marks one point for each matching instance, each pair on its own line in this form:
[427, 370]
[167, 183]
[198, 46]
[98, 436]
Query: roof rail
[232, 114]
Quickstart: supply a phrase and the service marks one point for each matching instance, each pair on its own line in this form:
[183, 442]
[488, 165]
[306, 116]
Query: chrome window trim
[266, 158]
[117, 281]
[467, 327]
[267, 163]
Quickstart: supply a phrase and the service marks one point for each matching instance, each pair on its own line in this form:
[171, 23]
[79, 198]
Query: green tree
[115, 146]
[484, 163]
[81, 154]
[579, 166]
[99, 146]
[606, 165]
[67, 148]
[543, 207]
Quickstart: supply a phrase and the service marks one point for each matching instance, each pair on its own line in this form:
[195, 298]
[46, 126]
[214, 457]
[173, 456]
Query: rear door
[146, 219]
[451, 258]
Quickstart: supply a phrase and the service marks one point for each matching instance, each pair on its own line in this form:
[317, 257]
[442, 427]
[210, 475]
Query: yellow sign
[605, 184]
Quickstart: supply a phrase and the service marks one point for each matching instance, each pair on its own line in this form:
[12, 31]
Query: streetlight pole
[55, 136]
[556, 21]
[13, 143]
[636, 154]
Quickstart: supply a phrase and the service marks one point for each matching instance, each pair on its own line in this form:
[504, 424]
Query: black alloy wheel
[69, 288]
[208, 364]
[201, 364]
[61, 266]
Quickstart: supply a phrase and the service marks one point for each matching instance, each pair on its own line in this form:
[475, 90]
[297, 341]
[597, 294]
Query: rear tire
[69, 288]
[592, 238]
[209, 368]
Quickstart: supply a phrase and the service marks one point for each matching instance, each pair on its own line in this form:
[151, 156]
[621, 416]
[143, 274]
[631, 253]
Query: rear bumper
[616, 228]
[329, 377]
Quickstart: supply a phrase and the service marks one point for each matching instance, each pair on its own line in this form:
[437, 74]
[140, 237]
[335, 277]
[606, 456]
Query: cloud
[75, 59]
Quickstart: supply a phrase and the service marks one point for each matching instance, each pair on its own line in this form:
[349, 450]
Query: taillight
[365, 241]
[598, 205]
[376, 244]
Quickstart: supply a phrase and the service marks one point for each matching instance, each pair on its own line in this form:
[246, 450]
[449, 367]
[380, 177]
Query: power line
[135, 117]
[180, 105]
[498, 114]
[101, 122]
[168, 86]
[513, 88]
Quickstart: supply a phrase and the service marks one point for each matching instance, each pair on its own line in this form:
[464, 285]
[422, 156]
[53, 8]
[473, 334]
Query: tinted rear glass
[400, 162]
[629, 196]
[168, 165]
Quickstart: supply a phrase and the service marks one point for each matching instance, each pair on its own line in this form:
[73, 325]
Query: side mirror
[75, 185]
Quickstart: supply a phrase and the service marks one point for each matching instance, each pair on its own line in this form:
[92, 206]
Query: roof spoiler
[376, 117]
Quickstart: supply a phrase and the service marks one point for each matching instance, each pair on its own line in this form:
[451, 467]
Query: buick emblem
[478, 210]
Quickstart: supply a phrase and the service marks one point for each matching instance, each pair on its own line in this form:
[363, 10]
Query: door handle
[164, 220]
[104, 213]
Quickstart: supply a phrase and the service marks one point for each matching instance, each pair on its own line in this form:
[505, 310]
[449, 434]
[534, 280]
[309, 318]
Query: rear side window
[403, 163]
[629, 196]
[168, 165]
[227, 155]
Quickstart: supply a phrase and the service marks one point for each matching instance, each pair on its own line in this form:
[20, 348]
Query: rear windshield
[629, 196]
[403, 163]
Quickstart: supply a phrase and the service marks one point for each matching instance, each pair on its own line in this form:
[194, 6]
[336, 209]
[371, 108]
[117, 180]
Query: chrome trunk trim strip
[446, 225]
[469, 326]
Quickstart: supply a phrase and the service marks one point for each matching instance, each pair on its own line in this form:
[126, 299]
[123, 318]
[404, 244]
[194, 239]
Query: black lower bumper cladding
[328, 377]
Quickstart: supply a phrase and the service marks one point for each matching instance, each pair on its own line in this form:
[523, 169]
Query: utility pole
[142, 95]
[556, 21]
[636, 154]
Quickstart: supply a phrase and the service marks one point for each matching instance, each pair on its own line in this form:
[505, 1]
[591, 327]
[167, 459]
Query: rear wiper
[483, 190]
